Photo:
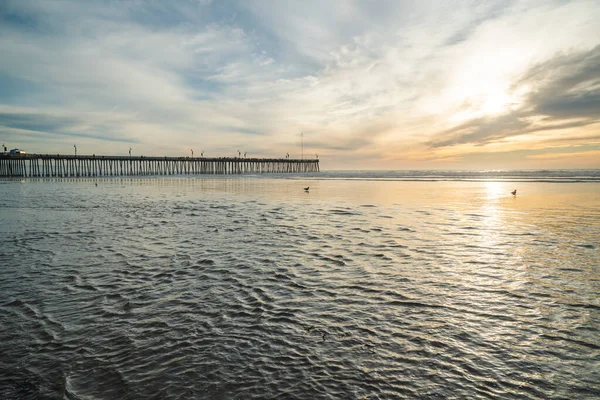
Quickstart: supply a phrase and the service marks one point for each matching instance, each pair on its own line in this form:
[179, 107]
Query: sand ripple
[134, 295]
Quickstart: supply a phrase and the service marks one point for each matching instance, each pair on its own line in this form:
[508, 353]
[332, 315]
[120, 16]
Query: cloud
[563, 93]
[157, 79]
[16, 122]
[481, 131]
[566, 86]
[562, 156]
[381, 80]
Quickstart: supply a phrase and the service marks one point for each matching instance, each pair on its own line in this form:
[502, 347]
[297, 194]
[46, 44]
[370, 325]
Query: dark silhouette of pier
[64, 166]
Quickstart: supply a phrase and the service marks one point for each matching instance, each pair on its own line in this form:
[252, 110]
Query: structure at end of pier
[64, 166]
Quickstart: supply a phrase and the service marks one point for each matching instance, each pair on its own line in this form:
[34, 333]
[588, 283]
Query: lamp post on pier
[75, 146]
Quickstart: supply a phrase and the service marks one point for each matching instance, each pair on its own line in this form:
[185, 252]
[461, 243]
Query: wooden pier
[64, 166]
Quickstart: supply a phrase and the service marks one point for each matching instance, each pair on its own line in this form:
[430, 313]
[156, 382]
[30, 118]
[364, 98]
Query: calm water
[370, 286]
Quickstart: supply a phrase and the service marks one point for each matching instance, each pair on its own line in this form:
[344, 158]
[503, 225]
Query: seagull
[306, 188]
[514, 192]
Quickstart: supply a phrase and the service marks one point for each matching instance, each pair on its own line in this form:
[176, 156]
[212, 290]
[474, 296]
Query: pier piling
[64, 166]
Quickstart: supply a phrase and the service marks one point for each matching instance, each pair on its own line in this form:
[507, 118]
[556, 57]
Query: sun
[480, 99]
[496, 102]
[483, 86]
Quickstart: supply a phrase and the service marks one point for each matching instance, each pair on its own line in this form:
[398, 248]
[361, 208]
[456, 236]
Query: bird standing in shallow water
[306, 188]
[514, 192]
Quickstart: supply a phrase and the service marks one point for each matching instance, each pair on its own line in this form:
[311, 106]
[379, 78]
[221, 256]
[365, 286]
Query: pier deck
[56, 165]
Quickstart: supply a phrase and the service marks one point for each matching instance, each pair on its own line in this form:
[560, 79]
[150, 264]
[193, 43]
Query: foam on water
[251, 288]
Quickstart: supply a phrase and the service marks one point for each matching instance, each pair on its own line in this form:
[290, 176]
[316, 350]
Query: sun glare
[496, 103]
[482, 86]
[480, 101]
[495, 190]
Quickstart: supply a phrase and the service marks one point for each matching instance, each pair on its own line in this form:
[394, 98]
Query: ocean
[370, 285]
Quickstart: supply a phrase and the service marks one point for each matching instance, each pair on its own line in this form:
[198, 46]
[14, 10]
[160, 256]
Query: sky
[363, 84]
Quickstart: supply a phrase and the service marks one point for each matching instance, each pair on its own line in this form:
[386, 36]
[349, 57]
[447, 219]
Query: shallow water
[246, 287]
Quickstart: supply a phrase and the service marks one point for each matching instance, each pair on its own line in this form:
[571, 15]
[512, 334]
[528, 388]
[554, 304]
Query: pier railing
[49, 165]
